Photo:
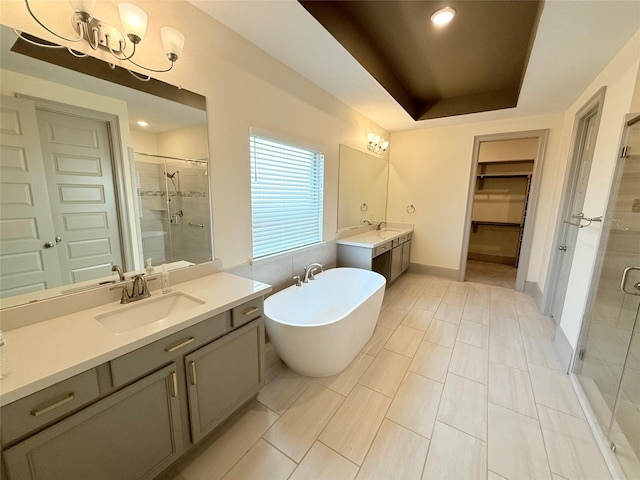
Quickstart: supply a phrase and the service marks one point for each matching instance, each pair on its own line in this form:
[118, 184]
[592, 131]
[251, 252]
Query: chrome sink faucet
[311, 270]
[139, 290]
[379, 226]
[116, 268]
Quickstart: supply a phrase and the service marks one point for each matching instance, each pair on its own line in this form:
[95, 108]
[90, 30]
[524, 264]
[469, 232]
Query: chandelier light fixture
[99, 34]
[377, 144]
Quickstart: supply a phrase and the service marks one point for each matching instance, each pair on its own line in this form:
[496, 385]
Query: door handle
[49, 245]
[623, 282]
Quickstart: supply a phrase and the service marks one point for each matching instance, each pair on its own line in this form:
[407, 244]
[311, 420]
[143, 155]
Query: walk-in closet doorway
[501, 206]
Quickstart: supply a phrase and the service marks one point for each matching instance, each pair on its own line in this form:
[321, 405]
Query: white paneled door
[77, 163]
[58, 217]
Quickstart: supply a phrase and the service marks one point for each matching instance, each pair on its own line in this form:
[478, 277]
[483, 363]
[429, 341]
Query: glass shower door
[607, 363]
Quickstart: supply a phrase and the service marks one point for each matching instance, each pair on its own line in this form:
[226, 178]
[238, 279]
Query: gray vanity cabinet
[400, 255]
[222, 376]
[133, 434]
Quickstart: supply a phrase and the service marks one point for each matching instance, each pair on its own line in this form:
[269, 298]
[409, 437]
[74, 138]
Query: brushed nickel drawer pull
[179, 346]
[174, 379]
[59, 403]
[250, 311]
[194, 378]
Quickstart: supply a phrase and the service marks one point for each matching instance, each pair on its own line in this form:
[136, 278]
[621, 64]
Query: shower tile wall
[189, 241]
[153, 210]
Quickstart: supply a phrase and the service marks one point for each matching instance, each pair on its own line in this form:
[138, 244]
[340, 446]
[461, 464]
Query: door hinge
[612, 446]
[624, 152]
[581, 354]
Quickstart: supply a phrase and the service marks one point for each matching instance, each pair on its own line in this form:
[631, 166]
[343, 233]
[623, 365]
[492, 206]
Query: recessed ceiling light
[443, 16]
[142, 123]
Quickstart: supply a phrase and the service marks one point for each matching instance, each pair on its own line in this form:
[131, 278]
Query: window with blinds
[286, 196]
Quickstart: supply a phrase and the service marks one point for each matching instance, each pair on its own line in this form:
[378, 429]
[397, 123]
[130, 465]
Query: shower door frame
[603, 432]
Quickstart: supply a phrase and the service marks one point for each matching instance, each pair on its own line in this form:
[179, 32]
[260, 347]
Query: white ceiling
[576, 39]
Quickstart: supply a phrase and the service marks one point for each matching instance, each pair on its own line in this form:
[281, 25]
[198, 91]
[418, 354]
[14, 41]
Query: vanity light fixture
[377, 144]
[99, 34]
[443, 16]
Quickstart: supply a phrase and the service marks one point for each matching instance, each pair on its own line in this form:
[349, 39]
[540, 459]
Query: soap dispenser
[166, 288]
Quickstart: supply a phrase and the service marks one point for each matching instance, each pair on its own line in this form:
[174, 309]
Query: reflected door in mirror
[60, 198]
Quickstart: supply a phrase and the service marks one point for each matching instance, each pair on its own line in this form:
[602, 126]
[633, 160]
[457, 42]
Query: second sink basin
[147, 311]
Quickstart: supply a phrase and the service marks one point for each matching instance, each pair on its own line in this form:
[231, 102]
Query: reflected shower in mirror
[362, 188]
[75, 195]
[174, 206]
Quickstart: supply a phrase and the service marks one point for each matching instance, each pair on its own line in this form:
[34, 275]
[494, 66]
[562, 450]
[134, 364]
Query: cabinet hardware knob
[194, 377]
[174, 381]
[179, 345]
[59, 403]
[250, 311]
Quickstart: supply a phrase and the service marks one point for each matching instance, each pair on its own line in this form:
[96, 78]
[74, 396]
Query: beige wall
[620, 77]
[431, 169]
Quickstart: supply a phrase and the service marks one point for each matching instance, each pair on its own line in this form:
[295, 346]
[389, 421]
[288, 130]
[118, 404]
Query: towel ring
[364, 207]
[411, 209]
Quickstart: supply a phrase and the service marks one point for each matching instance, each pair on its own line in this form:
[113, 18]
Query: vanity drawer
[246, 312]
[48, 405]
[404, 238]
[153, 356]
[381, 249]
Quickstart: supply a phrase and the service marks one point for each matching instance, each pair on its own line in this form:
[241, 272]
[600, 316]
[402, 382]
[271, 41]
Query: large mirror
[362, 188]
[84, 186]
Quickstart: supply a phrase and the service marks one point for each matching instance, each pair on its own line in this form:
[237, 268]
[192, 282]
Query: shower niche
[173, 208]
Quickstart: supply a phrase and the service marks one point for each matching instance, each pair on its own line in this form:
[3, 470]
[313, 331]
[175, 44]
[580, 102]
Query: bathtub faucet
[310, 271]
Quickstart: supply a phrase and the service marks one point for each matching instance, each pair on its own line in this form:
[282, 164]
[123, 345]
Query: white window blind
[286, 196]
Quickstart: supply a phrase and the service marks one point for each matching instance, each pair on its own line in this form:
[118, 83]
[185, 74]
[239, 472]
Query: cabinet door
[133, 434]
[222, 375]
[396, 262]
[406, 252]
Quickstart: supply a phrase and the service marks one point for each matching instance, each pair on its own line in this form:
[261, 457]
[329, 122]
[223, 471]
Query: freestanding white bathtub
[319, 328]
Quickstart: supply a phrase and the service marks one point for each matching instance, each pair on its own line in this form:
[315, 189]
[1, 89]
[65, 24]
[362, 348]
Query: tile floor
[459, 381]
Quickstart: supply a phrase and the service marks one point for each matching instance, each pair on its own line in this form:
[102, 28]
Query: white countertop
[50, 351]
[374, 238]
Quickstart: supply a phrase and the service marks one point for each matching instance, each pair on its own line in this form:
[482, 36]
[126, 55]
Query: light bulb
[172, 41]
[385, 145]
[443, 16]
[134, 21]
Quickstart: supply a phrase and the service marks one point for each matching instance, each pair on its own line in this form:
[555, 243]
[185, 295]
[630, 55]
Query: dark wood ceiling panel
[476, 63]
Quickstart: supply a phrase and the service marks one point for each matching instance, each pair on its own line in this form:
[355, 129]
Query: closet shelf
[504, 175]
[496, 224]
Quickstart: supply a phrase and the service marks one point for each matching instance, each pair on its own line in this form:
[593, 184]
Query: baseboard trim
[533, 289]
[452, 273]
[563, 348]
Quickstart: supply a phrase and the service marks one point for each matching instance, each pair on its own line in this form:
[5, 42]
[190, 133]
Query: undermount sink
[147, 311]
